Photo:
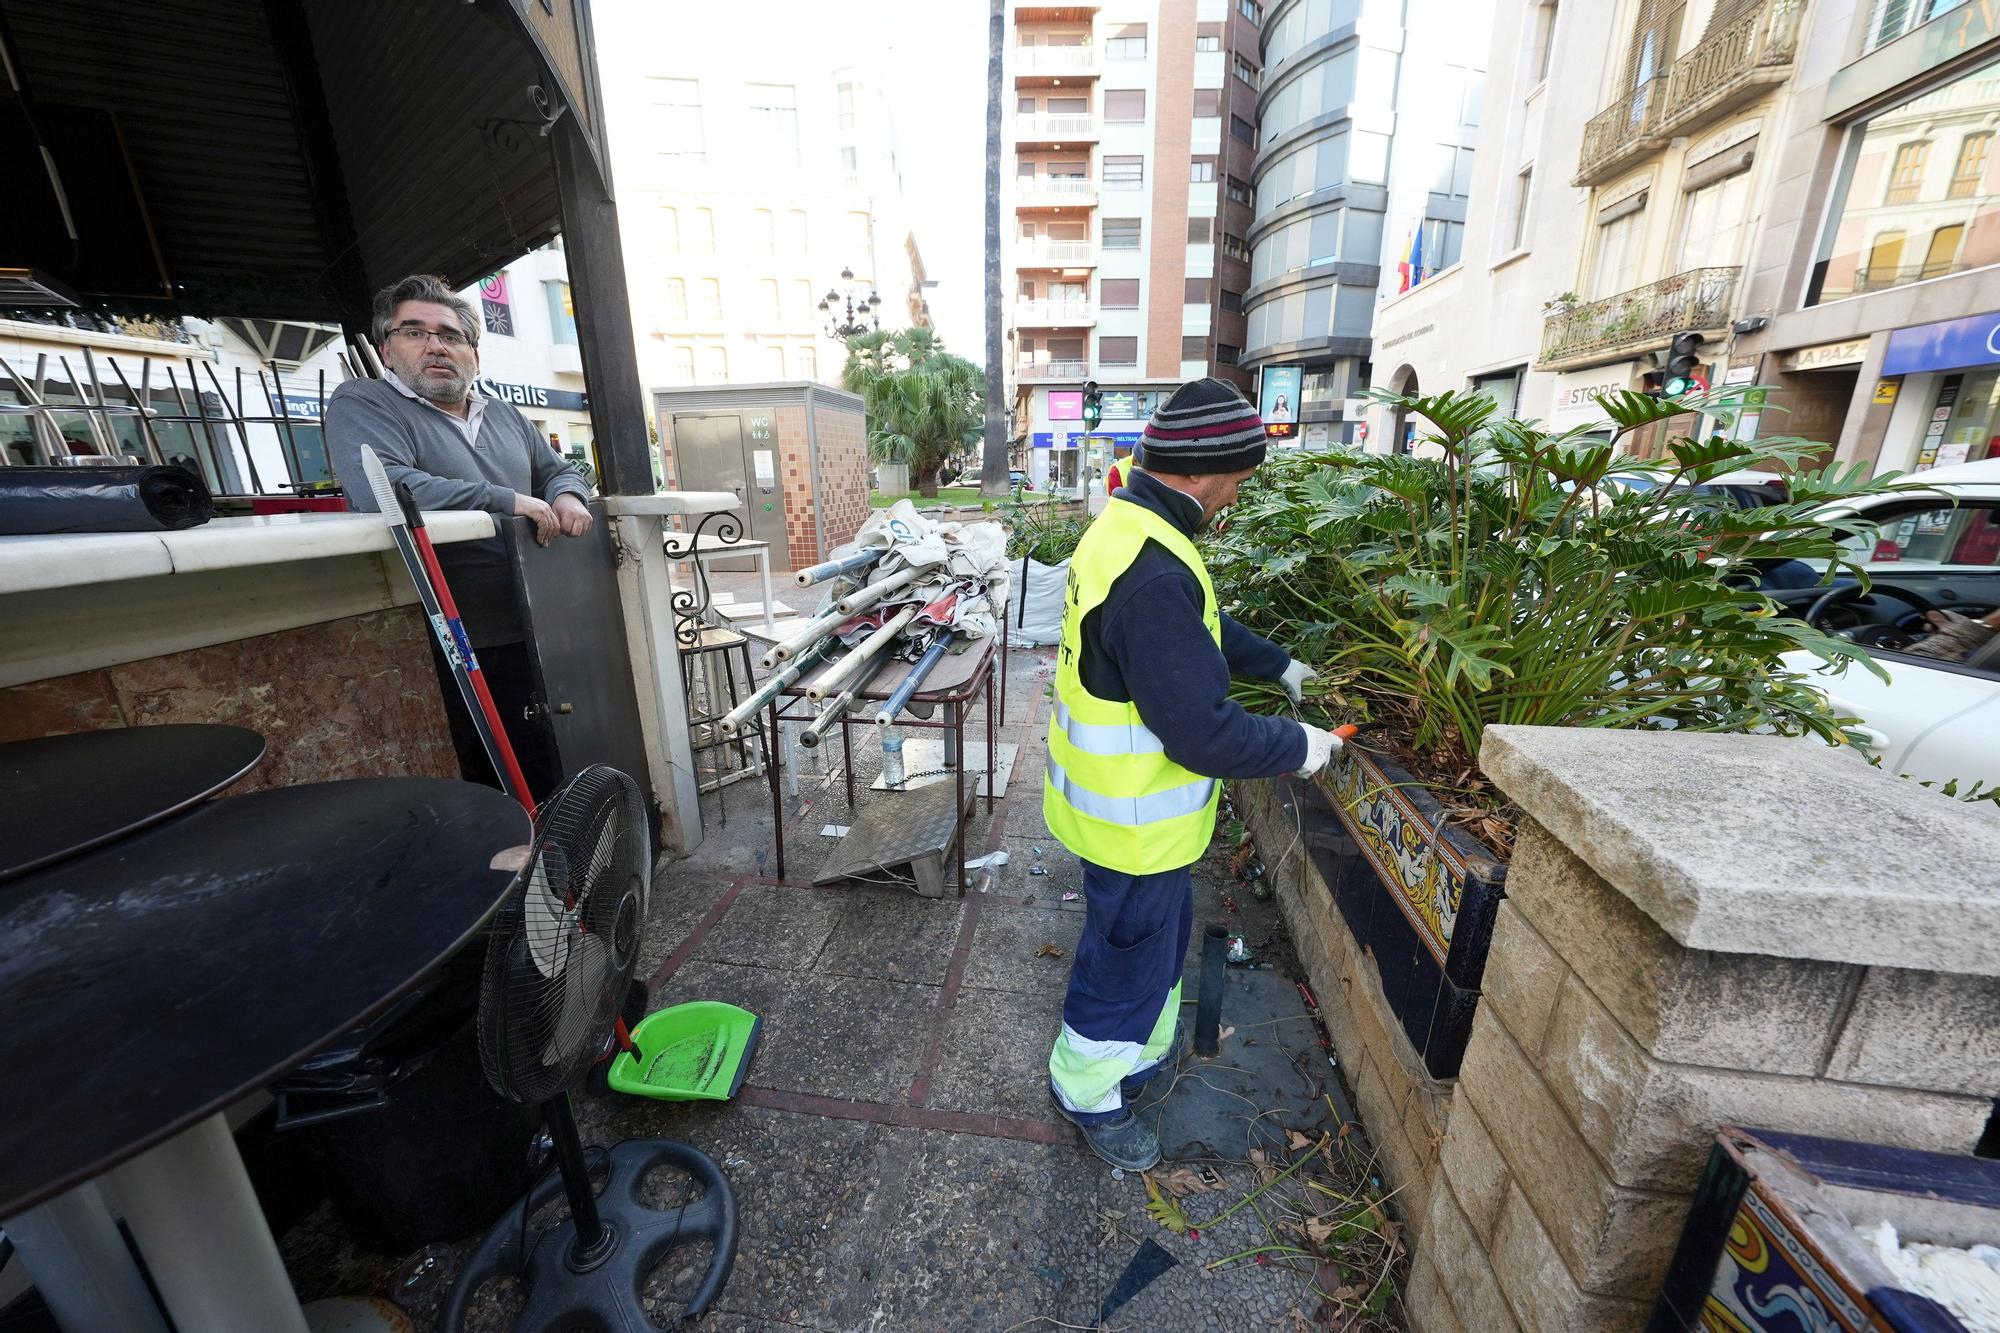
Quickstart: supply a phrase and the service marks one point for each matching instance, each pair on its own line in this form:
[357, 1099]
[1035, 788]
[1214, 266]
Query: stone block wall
[1616, 1031]
[348, 698]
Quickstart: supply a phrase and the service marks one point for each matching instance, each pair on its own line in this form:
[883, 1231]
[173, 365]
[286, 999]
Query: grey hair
[421, 287]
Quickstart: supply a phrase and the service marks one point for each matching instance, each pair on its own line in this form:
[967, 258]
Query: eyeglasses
[416, 336]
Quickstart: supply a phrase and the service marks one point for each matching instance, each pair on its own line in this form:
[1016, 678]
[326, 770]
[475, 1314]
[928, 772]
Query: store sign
[1279, 399]
[534, 395]
[1066, 406]
[1043, 439]
[1950, 345]
[1850, 353]
[1120, 406]
[300, 406]
[1576, 399]
[1886, 390]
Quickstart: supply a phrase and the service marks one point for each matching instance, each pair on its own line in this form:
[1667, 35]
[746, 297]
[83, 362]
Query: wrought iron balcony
[1639, 320]
[1724, 70]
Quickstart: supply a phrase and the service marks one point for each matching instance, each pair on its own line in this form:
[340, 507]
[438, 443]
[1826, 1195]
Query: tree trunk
[927, 482]
[993, 461]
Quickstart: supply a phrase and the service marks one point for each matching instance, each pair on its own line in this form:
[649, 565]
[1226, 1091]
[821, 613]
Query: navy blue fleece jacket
[1146, 644]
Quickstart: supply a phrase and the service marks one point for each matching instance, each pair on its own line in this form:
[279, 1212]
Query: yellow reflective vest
[1111, 795]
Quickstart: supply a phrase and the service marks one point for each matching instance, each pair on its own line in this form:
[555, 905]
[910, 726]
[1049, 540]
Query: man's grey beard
[453, 390]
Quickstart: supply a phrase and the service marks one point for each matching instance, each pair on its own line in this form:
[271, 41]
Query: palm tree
[922, 401]
[993, 465]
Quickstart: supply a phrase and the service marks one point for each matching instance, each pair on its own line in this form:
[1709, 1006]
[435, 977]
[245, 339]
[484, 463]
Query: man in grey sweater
[456, 448]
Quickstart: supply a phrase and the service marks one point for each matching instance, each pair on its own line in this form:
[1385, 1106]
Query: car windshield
[1944, 536]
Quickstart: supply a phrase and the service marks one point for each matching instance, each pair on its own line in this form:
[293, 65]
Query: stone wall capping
[1888, 873]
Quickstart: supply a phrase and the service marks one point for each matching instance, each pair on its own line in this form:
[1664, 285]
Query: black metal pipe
[1208, 1004]
[575, 1177]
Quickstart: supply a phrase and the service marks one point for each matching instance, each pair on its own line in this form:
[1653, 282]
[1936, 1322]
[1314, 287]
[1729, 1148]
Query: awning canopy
[282, 160]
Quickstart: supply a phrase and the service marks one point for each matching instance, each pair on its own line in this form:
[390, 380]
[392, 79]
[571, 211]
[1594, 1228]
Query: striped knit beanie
[1205, 427]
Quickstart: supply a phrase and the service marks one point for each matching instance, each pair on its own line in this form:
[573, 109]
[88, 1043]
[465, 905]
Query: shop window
[1906, 177]
[1968, 178]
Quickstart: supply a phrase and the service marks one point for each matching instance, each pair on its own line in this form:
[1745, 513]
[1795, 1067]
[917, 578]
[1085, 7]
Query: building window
[715, 365]
[807, 360]
[774, 362]
[1118, 293]
[1124, 173]
[1124, 104]
[1202, 169]
[1232, 301]
[850, 161]
[1235, 247]
[1942, 256]
[1711, 232]
[802, 298]
[1225, 355]
[861, 238]
[1883, 214]
[1194, 347]
[670, 228]
[768, 289]
[676, 121]
[704, 231]
[762, 234]
[1118, 351]
[1906, 177]
[1207, 42]
[843, 95]
[1127, 43]
[1197, 291]
[1968, 178]
[1201, 231]
[1890, 19]
[677, 299]
[797, 233]
[1544, 43]
[1121, 233]
[1207, 103]
[1242, 131]
[711, 298]
[683, 365]
[1238, 192]
[562, 314]
[1525, 191]
[774, 122]
[1251, 10]
[1245, 71]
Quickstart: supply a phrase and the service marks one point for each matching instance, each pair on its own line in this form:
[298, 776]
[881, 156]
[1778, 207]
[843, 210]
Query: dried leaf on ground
[1048, 951]
[1163, 1209]
[1108, 1230]
[1183, 1180]
[1319, 1230]
[1295, 1140]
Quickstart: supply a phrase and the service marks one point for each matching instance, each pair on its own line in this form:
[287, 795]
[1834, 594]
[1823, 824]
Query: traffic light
[1093, 405]
[1683, 366]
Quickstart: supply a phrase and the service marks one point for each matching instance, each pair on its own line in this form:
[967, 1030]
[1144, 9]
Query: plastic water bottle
[892, 761]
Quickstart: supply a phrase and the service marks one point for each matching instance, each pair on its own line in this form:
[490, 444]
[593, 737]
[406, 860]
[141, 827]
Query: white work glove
[1295, 678]
[1320, 746]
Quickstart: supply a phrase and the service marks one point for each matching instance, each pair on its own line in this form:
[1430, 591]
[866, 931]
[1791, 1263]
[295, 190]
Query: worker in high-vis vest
[1141, 733]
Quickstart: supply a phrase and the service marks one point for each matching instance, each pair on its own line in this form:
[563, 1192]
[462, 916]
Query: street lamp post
[845, 312]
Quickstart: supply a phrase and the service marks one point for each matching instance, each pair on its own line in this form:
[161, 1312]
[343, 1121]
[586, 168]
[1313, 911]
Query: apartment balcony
[1029, 313]
[1060, 192]
[1721, 73]
[1052, 370]
[1036, 63]
[1641, 320]
[1045, 253]
[1055, 129]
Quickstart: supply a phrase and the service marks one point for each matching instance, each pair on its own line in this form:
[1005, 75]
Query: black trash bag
[37, 500]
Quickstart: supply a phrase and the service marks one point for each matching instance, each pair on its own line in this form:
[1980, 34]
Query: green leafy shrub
[1511, 579]
[1043, 530]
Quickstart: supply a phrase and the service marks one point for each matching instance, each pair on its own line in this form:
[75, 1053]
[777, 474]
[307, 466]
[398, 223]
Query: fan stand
[595, 1262]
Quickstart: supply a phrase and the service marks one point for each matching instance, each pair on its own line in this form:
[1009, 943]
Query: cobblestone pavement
[895, 1158]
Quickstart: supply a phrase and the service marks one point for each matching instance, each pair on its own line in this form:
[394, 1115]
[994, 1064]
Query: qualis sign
[534, 395]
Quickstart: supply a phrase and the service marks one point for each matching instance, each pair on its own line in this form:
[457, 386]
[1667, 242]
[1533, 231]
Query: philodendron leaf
[1421, 590]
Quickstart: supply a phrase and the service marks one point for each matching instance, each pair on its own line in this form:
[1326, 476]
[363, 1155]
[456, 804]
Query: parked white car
[1937, 549]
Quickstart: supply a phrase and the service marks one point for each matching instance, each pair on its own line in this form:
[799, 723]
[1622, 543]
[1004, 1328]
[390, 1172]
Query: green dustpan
[697, 1051]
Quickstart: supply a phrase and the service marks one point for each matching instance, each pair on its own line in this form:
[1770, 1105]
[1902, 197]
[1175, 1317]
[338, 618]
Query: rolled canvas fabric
[37, 500]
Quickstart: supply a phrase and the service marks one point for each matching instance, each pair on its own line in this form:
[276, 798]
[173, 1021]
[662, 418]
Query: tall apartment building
[1367, 122]
[1116, 148]
[1809, 186]
[748, 182]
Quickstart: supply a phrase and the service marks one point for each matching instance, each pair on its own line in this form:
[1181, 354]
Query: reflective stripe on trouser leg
[1123, 987]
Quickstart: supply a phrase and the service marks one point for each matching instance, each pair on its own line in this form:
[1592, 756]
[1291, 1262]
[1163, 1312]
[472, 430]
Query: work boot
[1124, 1140]
[1169, 1059]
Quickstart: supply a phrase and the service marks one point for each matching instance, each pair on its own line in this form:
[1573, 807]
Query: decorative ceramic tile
[1423, 872]
[1771, 1281]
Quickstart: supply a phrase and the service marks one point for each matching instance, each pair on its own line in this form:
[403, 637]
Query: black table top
[153, 981]
[66, 794]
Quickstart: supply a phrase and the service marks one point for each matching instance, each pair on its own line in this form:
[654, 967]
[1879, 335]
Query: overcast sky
[933, 68]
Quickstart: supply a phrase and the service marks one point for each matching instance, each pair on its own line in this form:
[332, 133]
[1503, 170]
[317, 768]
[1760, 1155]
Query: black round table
[66, 794]
[155, 980]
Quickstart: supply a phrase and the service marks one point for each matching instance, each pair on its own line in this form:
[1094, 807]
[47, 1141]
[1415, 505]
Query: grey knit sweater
[423, 446]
